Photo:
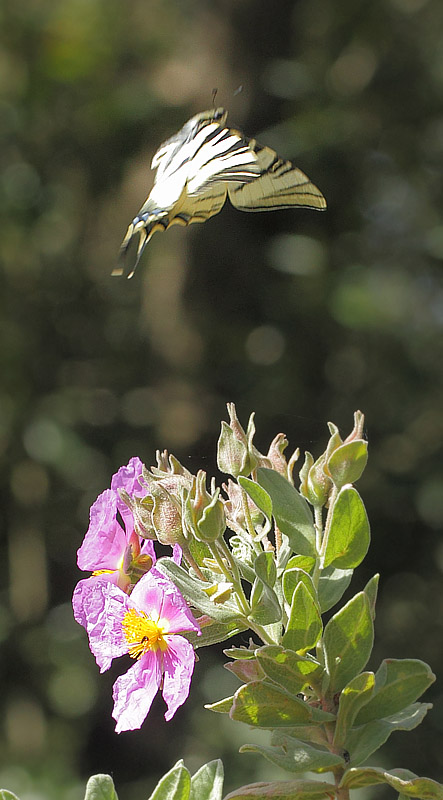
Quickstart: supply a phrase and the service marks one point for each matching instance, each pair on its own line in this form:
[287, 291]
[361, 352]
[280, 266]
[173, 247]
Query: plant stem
[231, 574]
[324, 544]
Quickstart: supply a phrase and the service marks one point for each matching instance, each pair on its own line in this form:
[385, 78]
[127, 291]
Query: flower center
[143, 634]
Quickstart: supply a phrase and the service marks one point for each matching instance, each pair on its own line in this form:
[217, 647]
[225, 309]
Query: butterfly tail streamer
[144, 229]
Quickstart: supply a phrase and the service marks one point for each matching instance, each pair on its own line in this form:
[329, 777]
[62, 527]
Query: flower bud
[168, 465]
[235, 451]
[203, 513]
[234, 506]
[315, 483]
[167, 516]
[347, 462]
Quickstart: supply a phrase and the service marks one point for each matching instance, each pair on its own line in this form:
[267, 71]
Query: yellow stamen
[143, 634]
[103, 572]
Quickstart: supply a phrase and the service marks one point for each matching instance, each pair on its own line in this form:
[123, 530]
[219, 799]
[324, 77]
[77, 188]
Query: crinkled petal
[127, 478]
[100, 606]
[105, 540]
[178, 665]
[158, 597]
[135, 690]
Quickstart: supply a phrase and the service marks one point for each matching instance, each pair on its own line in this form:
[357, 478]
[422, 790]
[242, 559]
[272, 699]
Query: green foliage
[348, 539]
[100, 787]
[291, 511]
[305, 682]
[347, 642]
[401, 780]
[284, 790]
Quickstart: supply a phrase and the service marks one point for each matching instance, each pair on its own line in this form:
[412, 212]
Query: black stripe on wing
[279, 185]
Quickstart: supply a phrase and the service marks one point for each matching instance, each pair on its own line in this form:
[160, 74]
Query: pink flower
[108, 548]
[145, 624]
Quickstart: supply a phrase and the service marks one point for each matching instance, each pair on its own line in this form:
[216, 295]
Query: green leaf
[347, 642]
[366, 739]
[261, 499]
[207, 783]
[99, 787]
[192, 590]
[266, 706]
[332, 585]
[371, 590]
[398, 683]
[265, 569]
[285, 667]
[306, 563]
[263, 705]
[291, 579]
[348, 461]
[354, 696]
[221, 706]
[175, 785]
[245, 671]
[284, 790]
[291, 511]
[265, 608]
[6, 795]
[402, 781]
[304, 626]
[294, 755]
[240, 652]
[312, 733]
[349, 537]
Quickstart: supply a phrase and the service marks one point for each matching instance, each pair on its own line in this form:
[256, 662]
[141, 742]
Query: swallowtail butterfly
[202, 164]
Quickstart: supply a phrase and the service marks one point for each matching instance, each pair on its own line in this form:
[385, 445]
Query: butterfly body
[204, 163]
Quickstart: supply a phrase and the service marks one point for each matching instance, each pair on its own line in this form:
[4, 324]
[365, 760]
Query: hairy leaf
[291, 511]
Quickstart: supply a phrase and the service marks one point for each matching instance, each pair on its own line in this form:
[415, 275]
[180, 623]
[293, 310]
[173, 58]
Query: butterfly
[202, 164]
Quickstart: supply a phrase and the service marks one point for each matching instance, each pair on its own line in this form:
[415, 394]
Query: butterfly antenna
[214, 95]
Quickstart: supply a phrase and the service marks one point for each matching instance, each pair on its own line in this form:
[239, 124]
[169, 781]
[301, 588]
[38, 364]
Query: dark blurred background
[302, 317]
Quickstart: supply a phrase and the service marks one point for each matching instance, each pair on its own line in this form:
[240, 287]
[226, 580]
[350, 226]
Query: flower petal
[158, 596]
[100, 607]
[135, 690]
[178, 665]
[105, 540]
[127, 478]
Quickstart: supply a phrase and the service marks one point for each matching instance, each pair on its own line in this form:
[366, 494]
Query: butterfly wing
[203, 163]
[278, 185]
